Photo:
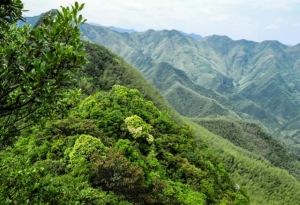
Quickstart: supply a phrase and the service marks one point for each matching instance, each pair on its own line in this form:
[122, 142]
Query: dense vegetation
[265, 183]
[117, 147]
[114, 147]
[37, 66]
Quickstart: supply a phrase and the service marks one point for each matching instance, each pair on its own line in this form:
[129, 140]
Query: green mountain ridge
[264, 76]
[255, 168]
[266, 183]
[114, 147]
[251, 99]
[177, 88]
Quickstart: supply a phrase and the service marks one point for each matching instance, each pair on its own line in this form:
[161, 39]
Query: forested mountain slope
[259, 80]
[267, 184]
[255, 166]
[251, 137]
[114, 147]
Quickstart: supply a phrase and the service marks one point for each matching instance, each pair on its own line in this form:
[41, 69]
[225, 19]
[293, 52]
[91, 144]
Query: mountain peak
[217, 38]
[274, 44]
[193, 35]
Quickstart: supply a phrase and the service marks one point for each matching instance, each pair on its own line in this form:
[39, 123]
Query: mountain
[29, 20]
[114, 147]
[120, 30]
[258, 80]
[255, 167]
[193, 35]
[254, 159]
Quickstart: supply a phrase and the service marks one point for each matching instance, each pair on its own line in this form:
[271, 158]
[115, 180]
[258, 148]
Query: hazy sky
[255, 20]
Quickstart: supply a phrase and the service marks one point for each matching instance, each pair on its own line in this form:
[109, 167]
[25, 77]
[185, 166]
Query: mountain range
[215, 75]
[212, 77]
[252, 157]
[258, 82]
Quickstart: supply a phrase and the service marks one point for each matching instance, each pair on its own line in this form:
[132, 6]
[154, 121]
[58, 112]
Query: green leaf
[69, 49]
[76, 5]
[81, 7]
[80, 18]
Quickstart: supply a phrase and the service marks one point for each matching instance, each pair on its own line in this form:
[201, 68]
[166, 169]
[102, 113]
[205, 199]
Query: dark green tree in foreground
[37, 66]
[10, 11]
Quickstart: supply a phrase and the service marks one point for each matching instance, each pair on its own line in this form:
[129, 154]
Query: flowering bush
[139, 128]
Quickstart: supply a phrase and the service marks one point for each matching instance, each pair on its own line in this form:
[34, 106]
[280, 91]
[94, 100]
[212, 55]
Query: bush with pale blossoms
[139, 128]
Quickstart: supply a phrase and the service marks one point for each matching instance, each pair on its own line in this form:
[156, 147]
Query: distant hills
[215, 75]
[29, 20]
[194, 36]
[32, 20]
[122, 30]
[252, 81]
[203, 79]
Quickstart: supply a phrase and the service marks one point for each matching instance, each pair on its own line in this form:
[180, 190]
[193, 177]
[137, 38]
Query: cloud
[253, 19]
[278, 20]
[272, 27]
[132, 5]
[205, 11]
[296, 24]
[220, 18]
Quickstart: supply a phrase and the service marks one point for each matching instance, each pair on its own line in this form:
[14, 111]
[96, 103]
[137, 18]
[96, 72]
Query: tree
[115, 173]
[37, 66]
[10, 12]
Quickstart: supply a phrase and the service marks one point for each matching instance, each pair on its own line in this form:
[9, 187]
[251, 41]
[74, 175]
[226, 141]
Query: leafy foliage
[10, 12]
[102, 153]
[83, 149]
[116, 173]
[38, 67]
[171, 169]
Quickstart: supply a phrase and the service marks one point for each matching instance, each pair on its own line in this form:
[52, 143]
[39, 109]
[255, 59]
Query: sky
[255, 20]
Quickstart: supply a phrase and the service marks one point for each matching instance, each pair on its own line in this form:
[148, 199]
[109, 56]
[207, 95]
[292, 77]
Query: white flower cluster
[138, 128]
[136, 132]
[150, 139]
[129, 120]
[237, 187]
